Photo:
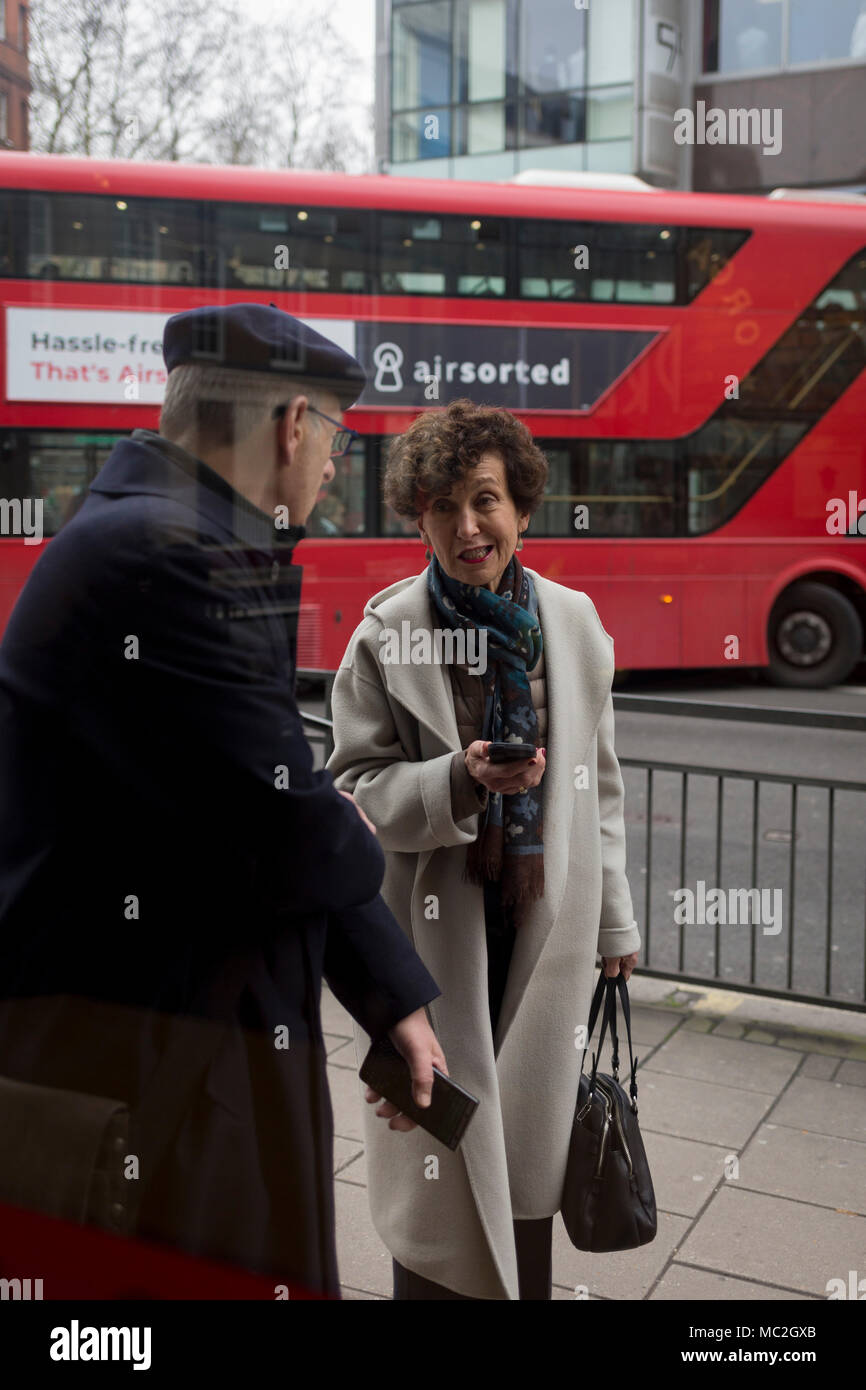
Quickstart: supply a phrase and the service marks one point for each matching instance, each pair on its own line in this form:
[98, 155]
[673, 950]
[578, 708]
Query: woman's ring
[523, 789]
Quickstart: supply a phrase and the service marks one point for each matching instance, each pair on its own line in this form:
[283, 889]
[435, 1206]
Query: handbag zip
[617, 1121]
[604, 1134]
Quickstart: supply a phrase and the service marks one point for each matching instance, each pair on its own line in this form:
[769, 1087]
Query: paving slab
[816, 1168]
[691, 1109]
[809, 1042]
[852, 1073]
[683, 1282]
[707, 1057]
[346, 1100]
[355, 1171]
[728, 1029]
[333, 1043]
[363, 1261]
[694, 1024]
[822, 1068]
[344, 1056]
[684, 1172]
[776, 1240]
[642, 1051]
[354, 1295]
[335, 1019]
[624, 1274]
[345, 1151]
[755, 1008]
[823, 1107]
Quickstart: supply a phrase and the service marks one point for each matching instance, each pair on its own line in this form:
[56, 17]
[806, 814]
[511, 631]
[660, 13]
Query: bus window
[607, 487]
[423, 254]
[65, 236]
[57, 466]
[339, 508]
[272, 247]
[619, 262]
[159, 242]
[788, 392]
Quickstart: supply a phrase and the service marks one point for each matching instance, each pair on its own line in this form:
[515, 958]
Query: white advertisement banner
[110, 356]
[84, 355]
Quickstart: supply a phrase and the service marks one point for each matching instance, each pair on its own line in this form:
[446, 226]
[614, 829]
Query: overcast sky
[356, 19]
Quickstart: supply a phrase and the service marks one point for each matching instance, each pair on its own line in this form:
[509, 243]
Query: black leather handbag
[608, 1201]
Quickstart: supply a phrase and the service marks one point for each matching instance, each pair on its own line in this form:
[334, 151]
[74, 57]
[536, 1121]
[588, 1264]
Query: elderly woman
[507, 876]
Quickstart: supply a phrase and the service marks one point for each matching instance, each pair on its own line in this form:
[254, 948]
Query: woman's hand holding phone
[506, 778]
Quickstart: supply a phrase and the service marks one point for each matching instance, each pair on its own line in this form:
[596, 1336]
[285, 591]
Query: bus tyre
[815, 637]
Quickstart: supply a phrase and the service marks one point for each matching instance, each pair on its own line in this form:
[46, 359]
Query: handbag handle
[609, 987]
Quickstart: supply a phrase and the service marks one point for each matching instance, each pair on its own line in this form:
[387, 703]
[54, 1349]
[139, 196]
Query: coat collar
[149, 465]
[576, 662]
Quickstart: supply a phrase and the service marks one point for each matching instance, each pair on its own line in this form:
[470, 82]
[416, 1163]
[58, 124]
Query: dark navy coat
[155, 866]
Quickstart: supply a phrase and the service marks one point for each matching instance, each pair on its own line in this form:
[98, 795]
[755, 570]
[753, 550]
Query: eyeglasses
[342, 440]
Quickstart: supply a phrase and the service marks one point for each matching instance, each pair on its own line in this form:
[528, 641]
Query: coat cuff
[614, 942]
[468, 797]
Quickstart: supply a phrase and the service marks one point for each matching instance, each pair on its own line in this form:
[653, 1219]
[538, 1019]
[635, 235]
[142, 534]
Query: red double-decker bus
[691, 364]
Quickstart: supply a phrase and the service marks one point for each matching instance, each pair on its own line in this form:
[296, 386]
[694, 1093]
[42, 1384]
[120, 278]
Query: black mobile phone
[511, 752]
[451, 1107]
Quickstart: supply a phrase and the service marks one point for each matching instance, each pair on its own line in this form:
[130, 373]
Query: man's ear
[289, 428]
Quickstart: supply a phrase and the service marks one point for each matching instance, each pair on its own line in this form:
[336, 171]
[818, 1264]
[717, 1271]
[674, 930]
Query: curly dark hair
[441, 445]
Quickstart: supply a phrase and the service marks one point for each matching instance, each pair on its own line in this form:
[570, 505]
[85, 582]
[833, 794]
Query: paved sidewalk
[725, 1080]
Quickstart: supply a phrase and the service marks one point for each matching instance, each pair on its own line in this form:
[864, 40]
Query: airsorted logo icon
[388, 359]
[434, 647]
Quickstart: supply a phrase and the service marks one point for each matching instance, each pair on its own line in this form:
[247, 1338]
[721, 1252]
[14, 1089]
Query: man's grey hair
[218, 406]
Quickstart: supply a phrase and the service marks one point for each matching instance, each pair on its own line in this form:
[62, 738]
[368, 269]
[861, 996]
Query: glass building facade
[485, 88]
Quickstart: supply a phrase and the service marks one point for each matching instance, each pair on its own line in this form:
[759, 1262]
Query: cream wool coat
[395, 737]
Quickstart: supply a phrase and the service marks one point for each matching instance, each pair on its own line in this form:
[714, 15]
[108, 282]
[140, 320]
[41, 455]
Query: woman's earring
[520, 540]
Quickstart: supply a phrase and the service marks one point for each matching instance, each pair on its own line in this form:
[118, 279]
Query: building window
[423, 134]
[820, 33]
[750, 35]
[485, 50]
[22, 27]
[4, 115]
[25, 134]
[552, 47]
[554, 120]
[610, 43]
[746, 35]
[421, 56]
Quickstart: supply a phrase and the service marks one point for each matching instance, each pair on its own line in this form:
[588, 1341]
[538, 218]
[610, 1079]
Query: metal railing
[691, 825]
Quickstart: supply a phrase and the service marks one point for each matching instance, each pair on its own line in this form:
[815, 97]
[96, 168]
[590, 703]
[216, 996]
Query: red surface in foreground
[79, 1262]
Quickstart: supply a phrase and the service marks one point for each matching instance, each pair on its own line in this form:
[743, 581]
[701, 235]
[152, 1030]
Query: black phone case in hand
[451, 1107]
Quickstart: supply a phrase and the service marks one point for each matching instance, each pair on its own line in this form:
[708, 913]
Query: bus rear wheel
[815, 637]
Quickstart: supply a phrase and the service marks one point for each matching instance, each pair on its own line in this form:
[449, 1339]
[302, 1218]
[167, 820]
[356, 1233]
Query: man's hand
[369, 824]
[415, 1040]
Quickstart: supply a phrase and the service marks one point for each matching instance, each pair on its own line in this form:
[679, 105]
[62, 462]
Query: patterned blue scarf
[510, 843]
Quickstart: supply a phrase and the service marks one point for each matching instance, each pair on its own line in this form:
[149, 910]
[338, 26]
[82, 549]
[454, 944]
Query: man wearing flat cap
[175, 879]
